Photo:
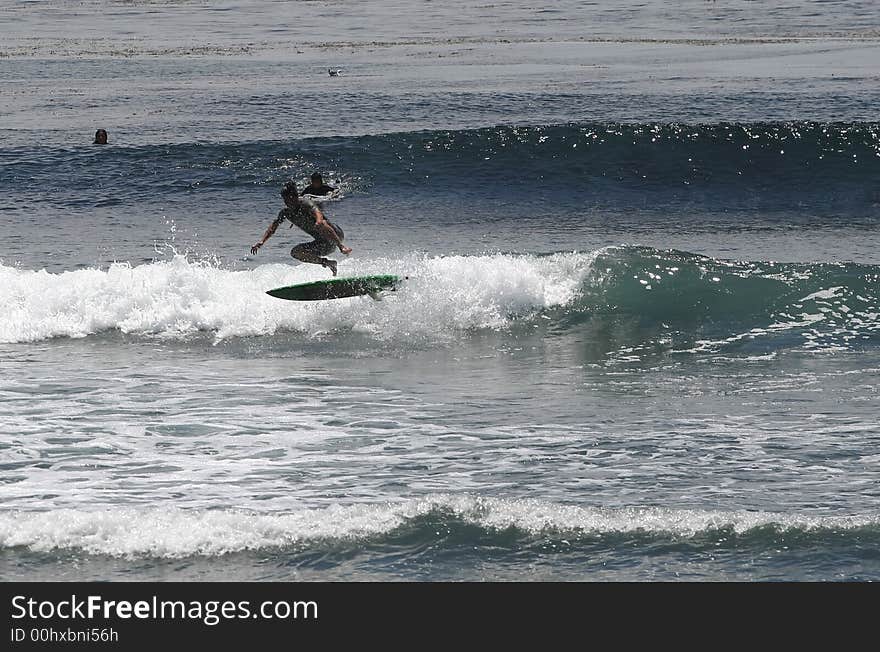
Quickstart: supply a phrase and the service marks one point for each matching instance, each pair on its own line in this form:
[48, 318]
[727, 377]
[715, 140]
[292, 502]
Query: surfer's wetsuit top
[303, 216]
[321, 190]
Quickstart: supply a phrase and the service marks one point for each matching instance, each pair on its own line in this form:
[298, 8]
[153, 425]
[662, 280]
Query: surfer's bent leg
[312, 252]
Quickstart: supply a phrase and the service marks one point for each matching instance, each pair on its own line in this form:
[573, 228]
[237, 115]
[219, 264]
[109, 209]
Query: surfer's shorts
[317, 247]
[320, 246]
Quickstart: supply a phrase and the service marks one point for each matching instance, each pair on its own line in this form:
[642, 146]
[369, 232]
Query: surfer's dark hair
[289, 189]
[316, 176]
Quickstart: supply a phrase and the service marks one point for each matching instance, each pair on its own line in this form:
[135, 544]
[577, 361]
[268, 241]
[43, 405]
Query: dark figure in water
[305, 214]
[101, 137]
[317, 187]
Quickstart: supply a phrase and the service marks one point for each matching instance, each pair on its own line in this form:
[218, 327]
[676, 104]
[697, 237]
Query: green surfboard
[337, 288]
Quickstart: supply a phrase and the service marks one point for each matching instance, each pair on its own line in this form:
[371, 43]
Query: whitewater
[176, 298]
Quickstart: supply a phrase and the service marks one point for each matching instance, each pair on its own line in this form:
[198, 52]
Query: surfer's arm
[328, 231]
[268, 234]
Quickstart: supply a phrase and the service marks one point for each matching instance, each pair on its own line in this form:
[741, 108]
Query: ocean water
[640, 338]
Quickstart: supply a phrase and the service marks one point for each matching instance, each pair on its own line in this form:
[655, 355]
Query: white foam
[538, 517]
[176, 532]
[830, 293]
[179, 297]
[173, 532]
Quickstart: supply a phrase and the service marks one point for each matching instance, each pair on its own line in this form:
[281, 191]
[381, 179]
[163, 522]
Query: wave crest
[692, 302]
[172, 532]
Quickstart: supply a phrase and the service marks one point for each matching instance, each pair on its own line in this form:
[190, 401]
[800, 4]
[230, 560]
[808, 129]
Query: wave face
[705, 303]
[679, 300]
[832, 167]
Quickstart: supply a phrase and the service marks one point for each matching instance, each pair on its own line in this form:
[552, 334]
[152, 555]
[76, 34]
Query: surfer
[101, 137]
[305, 214]
[318, 187]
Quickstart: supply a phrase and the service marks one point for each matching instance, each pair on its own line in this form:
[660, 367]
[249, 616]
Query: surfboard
[337, 288]
[333, 196]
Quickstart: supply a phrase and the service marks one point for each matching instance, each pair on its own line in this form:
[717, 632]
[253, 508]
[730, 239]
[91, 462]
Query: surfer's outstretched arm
[268, 234]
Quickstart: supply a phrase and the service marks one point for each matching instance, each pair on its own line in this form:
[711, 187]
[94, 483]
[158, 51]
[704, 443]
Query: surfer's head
[289, 192]
[101, 137]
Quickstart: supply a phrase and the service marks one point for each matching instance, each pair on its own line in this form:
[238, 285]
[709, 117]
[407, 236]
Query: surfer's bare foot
[330, 264]
[344, 249]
